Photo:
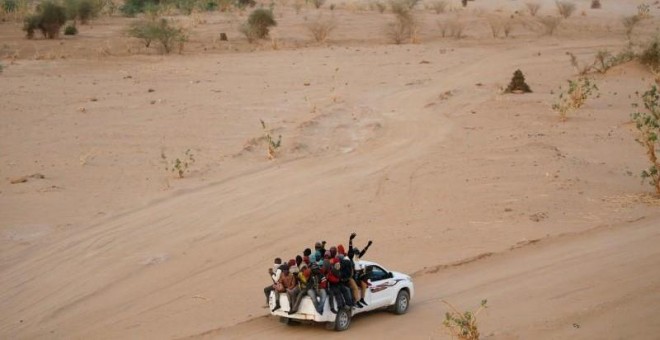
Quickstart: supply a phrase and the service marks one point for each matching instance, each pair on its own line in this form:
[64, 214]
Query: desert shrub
[224, 5]
[70, 30]
[495, 25]
[629, 23]
[381, 7]
[644, 11]
[31, 24]
[507, 27]
[518, 84]
[272, 144]
[574, 98]
[498, 25]
[533, 8]
[185, 6]
[650, 55]
[130, 8]
[82, 10]
[158, 30]
[106, 7]
[87, 10]
[452, 27]
[318, 3]
[405, 25]
[438, 6]
[320, 28]
[604, 60]
[409, 3]
[71, 8]
[581, 69]
[595, 4]
[258, 24]
[50, 17]
[208, 5]
[179, 165]
[549, 24]
[245, 3]
[9, 6]
[15, 10]
[565, 8]
[463, 326]
[647, 122]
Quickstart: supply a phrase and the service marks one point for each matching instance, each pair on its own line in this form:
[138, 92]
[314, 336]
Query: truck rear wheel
[343, 319]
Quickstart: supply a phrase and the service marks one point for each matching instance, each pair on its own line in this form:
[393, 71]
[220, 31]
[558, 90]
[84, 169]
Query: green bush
[70, 30]
[650, 56]
[130, 8]
[318, 3]
[87, 10]
[245, 3]
[647, 122]
[158, 30]
[208, 5]
[50, 17]
[83, 10]
[258, 24]
[185, 6]
[9, 6]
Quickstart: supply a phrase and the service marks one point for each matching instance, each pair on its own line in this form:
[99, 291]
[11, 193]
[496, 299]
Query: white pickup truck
[386, 289]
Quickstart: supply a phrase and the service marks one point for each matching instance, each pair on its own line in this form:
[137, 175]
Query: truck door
[380, 288]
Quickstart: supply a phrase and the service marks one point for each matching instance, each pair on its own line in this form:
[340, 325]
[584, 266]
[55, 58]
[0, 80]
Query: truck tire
[402, 302]
[343, 319]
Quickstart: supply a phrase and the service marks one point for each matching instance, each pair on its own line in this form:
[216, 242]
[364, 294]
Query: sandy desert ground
[477, 194]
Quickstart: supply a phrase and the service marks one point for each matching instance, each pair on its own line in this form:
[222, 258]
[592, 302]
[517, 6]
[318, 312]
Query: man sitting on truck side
[290, 282]
[317, 288]
[274, 273]
[334, 291]
[278, 286]
[303, 285]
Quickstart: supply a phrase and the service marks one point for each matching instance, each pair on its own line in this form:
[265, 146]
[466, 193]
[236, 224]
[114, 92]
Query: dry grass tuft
[405, 27]
[438, 6]
[565, 8]
[452, 28]
[549, 24]
[533, 8]
[629, 23]
[321, 28]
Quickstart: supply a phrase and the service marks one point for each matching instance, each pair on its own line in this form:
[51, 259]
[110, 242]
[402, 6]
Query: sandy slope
[413, 146]
[599, 284]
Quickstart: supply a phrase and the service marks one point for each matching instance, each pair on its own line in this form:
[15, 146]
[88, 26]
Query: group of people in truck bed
[334, 274]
